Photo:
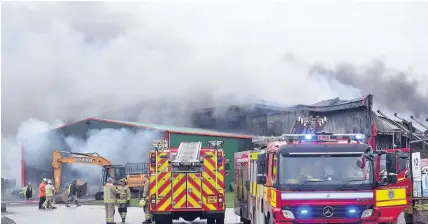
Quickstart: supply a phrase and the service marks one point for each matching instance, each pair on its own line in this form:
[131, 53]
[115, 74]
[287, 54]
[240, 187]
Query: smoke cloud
[393, 89]
[71, 60]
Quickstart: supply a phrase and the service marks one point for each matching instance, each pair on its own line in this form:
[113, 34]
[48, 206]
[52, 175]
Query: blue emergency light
[320, 137]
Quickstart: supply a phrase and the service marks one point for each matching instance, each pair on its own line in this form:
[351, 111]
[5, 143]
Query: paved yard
[93, 214]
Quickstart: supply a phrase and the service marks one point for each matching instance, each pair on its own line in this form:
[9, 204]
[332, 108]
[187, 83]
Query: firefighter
[28, 191]
[110, 195]
[42, 193]
[124, 198]
[145, 201]
[49, 202]
[72, 194]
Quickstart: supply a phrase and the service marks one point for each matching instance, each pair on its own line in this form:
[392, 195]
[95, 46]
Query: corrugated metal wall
[231, 145]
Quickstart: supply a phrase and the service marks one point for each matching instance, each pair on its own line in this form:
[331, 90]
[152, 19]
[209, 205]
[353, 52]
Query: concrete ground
[93, 214]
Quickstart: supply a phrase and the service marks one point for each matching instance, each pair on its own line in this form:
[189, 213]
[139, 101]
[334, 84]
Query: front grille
[311, 212]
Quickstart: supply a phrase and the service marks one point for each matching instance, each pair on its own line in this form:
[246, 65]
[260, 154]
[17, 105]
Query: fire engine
[316, 178]
[187, 182]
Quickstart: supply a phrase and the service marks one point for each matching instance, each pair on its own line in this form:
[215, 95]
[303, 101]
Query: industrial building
[42, 147]
[342, 116]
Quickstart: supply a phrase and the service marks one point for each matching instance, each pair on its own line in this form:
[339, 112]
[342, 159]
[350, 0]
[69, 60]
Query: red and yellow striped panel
[179, 190]
[212, 180]
[160, 184]
[194, 190]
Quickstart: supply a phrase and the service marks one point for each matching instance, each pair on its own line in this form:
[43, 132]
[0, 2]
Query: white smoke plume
[119, 146]
[70, 60]
[29, 132]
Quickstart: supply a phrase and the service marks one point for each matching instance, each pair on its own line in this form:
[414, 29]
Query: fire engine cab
[315, 178]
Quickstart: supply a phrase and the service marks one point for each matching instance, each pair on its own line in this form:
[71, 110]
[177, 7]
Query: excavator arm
[80, 158]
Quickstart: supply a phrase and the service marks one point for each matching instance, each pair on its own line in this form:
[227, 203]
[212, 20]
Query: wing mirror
[391, 163]
[247, 184]
[261, 179]
[261, 164]
[360, 163]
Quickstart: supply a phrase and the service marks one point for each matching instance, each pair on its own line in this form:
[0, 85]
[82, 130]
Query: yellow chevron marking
[208, 179]
[164, 206]
[181, 202]
[152, 180]
[195, 190]
[176, 193]
[168, 185]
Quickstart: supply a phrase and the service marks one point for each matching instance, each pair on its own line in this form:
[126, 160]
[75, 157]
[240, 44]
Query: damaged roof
[82, 126]
[334, 104]
[383, 125]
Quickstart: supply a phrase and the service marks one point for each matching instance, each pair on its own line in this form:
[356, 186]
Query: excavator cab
[117, 172]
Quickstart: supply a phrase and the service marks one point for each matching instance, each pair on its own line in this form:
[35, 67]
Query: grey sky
[57, 57]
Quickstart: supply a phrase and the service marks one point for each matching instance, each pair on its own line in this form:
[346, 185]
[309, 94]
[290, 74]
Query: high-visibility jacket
[42, 189]
[110, 194]
[124, 194]
[146, 188]
[26, 188]
[49, 190]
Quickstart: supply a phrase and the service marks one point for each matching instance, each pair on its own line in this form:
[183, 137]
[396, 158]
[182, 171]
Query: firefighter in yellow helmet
[110, 195]
[145, 200]
[124, 198]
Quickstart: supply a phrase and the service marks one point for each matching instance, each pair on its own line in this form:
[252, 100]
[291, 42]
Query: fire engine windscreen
[324, 172]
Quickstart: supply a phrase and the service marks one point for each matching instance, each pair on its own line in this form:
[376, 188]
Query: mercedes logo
[328, 211]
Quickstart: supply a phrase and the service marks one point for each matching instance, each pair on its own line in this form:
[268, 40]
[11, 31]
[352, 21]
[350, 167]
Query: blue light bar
[321, 137]
[359, 136]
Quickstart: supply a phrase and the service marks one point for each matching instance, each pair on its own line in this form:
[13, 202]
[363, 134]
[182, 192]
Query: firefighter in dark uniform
[124, 198]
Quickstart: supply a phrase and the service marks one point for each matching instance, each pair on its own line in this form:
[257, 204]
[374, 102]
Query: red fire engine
[316, 178]
[187, 182]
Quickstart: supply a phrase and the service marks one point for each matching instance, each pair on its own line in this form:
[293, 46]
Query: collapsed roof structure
[333, 115]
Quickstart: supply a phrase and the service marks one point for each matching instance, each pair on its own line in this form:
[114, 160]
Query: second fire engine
[315, 178]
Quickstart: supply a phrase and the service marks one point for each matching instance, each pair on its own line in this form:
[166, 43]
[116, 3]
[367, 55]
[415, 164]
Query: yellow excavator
[116, 172]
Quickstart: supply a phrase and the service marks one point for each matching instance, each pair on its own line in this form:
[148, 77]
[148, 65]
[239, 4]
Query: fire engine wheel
[215, 221]
[210, 221]
[163, 219]
[219, 221]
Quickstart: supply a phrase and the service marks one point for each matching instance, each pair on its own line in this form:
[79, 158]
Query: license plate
[323, 137]
[212, 199]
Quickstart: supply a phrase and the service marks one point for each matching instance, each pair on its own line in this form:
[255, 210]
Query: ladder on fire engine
[188, 152]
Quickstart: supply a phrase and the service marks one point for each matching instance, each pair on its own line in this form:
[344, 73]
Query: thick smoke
[119, 146]
[395, 90]
[71, 60]
[29, 132]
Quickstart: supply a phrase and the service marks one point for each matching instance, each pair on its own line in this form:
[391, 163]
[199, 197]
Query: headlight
[287, 214]
[367, 213]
